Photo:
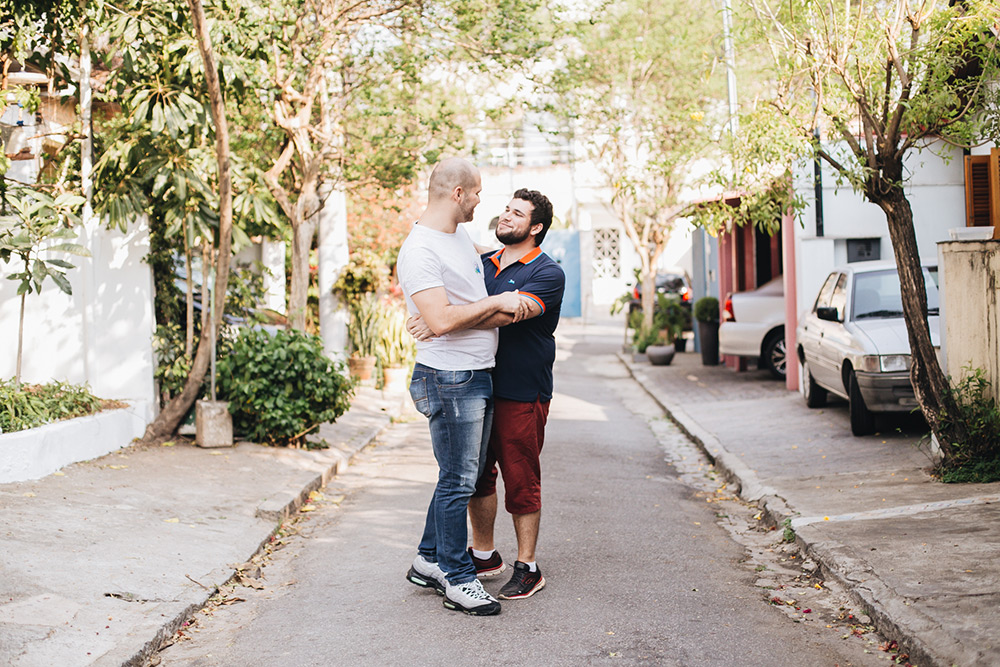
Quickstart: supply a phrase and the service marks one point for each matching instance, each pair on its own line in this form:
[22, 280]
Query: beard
[513, 236]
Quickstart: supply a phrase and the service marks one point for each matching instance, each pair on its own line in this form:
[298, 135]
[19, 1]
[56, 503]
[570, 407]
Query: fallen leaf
[59, 474]
[174, 520]
[307, 508]
[168, 443]
[29, 494]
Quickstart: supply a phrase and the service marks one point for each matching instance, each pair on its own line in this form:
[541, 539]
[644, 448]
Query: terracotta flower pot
[394, 379]
[361, 367]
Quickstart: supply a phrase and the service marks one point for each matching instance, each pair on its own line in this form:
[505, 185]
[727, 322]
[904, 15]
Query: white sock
[531, 566]
[483, 555]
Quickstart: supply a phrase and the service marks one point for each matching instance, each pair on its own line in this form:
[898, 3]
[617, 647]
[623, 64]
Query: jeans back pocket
[418, 392]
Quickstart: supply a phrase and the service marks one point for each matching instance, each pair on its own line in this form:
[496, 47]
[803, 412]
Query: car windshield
[877, 295]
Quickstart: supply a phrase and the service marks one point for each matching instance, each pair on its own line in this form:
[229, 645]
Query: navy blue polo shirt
[527, 349]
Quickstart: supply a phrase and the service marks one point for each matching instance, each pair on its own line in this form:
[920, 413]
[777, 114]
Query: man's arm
[418, 327]
[444, 317]
[503, 319]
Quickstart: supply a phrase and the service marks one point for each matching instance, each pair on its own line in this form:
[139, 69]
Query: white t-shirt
[430, 258]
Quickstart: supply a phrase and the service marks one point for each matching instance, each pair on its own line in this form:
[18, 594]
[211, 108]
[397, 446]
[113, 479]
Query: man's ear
[535, 229]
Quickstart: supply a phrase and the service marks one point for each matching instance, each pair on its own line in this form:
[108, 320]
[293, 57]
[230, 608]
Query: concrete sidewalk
[104, 559]
[922, 557]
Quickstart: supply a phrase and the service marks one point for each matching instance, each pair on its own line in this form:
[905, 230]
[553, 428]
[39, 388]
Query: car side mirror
[828, 313]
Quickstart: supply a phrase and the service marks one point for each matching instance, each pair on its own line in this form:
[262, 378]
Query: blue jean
[459, 409]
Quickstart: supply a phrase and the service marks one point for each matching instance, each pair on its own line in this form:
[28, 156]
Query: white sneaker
[426, 574]
[471, 598]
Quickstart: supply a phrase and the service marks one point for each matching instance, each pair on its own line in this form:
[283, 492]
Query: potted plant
[669, 321]
[396, 348]
[706, 313]
[357, 286]
[363, 335]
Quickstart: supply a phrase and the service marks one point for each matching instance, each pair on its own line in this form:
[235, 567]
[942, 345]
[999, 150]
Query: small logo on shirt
[479, 271]
[511, 282]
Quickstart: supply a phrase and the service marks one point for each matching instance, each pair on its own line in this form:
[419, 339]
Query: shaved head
[451, 173]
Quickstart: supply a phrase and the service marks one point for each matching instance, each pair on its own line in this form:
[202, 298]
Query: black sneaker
[490, 567]
[523, 583]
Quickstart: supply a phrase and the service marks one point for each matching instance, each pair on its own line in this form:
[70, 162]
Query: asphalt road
[638, 570]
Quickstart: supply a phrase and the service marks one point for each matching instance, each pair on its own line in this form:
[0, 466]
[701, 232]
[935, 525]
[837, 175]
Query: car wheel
[774, 354]
[862, 419]
[815, 394]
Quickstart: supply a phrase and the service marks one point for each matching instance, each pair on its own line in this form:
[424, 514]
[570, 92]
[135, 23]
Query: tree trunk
[929, 382]
[20, 342]
[188, 299]
[206, 277]
[171, 415]
[648, 293]
[303, 232]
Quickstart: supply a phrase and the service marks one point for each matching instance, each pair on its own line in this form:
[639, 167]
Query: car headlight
[885, 363]
[893, 363]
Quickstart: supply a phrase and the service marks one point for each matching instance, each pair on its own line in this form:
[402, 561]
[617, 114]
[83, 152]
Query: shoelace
[473, 591]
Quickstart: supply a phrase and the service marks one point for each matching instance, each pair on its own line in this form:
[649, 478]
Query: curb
[891, 614]
[334, 461]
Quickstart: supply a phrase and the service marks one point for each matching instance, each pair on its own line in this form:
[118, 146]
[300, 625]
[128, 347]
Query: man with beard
[441, 275]
[522, 390]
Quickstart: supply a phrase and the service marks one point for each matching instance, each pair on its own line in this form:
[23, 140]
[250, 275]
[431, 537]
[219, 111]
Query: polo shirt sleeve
[419, 269]
[546, 286]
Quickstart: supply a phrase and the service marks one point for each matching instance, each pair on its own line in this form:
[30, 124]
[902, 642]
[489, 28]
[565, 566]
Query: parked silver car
[753, 325]
[853, 343]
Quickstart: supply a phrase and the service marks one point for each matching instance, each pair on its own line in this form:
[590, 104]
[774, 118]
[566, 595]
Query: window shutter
[982, 190]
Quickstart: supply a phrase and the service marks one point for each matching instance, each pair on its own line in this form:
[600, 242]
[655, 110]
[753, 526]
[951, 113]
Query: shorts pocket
[418, 392]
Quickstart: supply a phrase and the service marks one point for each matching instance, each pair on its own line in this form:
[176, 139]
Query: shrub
[29, 406]
[670, 316]
[706, 309]
[282, 387]
[977, 458]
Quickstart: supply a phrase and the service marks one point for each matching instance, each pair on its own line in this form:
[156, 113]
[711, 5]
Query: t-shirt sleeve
[419, 269]
[546, 286]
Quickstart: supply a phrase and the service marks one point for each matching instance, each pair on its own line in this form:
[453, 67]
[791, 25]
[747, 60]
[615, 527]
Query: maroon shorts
[515, 445]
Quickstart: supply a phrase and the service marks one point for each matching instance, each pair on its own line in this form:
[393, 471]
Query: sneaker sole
[520, 596]
[415, 577]
[486, 574]
[484, 610]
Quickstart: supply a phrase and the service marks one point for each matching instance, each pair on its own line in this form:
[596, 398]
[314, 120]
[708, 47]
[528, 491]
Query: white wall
[935, 189]
[101, 334]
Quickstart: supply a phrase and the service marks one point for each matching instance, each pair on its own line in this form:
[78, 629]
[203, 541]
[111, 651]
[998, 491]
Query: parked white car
[853, 343]
[753, 325]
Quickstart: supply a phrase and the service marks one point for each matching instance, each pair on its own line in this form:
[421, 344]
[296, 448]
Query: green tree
[880, 81]
[40, 225]
[167, 420]
[351, 86]
[641, 95]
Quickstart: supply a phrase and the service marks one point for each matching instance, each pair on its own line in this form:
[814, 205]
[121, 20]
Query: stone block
[213, 424]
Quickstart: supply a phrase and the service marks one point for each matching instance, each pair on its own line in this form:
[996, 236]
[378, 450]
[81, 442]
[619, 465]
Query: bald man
[441, 274]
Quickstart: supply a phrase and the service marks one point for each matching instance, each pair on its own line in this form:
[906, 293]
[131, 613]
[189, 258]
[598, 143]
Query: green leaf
[61, 263]
[72, 248]
[61, 281]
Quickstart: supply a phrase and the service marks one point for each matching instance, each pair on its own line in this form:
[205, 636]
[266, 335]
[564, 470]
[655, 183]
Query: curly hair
[541, 213]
